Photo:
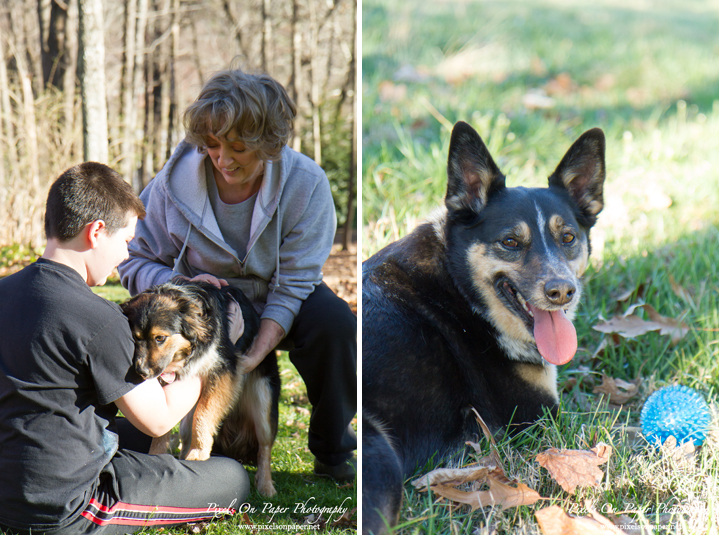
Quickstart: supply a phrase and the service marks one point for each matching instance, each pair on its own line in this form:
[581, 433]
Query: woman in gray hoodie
[235, 205]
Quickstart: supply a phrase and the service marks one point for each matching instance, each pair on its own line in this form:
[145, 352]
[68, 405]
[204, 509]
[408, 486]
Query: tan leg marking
[542, 376]
[160, 444]
[213, 405]
[261, 409]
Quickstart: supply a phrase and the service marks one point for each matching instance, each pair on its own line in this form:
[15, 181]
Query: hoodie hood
[185, 178]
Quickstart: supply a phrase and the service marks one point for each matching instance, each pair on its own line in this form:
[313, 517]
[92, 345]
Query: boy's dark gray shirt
[65, 357]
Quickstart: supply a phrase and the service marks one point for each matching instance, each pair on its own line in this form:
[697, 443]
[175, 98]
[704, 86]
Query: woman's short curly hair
[255, 106]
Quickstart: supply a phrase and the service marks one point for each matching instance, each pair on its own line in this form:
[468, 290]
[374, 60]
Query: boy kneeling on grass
[66, 465]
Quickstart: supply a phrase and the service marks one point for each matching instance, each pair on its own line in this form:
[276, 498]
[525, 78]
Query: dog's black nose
[559, 291]
[143, 370]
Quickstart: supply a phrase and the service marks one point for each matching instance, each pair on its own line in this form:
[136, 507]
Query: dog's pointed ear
[582, 172]
[472, 175]
[193, 324]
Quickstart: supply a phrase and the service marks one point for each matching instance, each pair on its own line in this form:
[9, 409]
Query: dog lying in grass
[472, 310]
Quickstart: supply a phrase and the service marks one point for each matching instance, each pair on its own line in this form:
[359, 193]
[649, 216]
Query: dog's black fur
[446, 324]
[185, 326]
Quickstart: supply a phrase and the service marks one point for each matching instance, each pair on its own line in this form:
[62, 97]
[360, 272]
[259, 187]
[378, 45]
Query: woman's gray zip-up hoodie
[291, 234]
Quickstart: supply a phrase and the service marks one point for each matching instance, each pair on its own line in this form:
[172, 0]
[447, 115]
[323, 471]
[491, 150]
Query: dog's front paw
[197, 454]
[265, 487]
[157, 449]
[159, 445]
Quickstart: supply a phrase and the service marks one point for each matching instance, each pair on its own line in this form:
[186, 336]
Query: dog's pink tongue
[555, 335]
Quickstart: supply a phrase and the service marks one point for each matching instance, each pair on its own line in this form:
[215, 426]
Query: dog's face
[518, 253]
[165, 323]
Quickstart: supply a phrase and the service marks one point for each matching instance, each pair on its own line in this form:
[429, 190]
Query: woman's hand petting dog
[267, 339]
[204, 277]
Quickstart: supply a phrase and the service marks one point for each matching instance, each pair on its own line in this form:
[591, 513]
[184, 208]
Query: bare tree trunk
[316, 26]
[68, 83]
[316, 126]
[236, 25]
[315, 84]
[52, 17]
[163, 107]
[4, 111]
[30, 132]
[127, 92]
[173, 119]
[7, 122]
[139, 94]
[196, 54]
[92, 81]
[28, 120]
[296, 78]
[352, 91]
[24, 26]
[146, 148]
[160, 52]
[266, 37]
[43, 22]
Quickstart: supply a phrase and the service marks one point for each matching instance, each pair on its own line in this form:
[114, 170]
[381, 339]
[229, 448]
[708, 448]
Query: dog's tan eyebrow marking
[157, 331]
[521, 231]
[556, 225]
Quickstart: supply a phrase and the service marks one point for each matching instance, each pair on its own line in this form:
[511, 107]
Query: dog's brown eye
[160, 339]
[568, 238]
[510, 242]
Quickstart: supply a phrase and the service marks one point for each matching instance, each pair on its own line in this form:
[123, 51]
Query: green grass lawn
[531, 77]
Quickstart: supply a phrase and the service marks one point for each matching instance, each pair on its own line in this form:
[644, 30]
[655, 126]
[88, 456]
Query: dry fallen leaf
[500, 493]
[638, 292]
[347, 520]
[575, 468]
[553, 520]
[626, 326]
[488, 471]
[452, 476]
[488, 435]
[672, 327]
[631, 326]
[683, 455]
[630, 525]
[485, 428]
[680, 291]
[618, 391]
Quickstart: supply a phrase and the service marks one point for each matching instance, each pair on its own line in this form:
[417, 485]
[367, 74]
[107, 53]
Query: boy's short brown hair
[85, 193]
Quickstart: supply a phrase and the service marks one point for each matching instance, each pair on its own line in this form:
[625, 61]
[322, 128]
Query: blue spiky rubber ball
[676, 411]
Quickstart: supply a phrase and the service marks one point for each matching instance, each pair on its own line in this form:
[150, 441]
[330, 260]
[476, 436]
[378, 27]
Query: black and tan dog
[184, 328]
[470, 310]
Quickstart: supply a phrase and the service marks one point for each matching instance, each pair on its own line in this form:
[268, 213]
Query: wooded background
[157, 54]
